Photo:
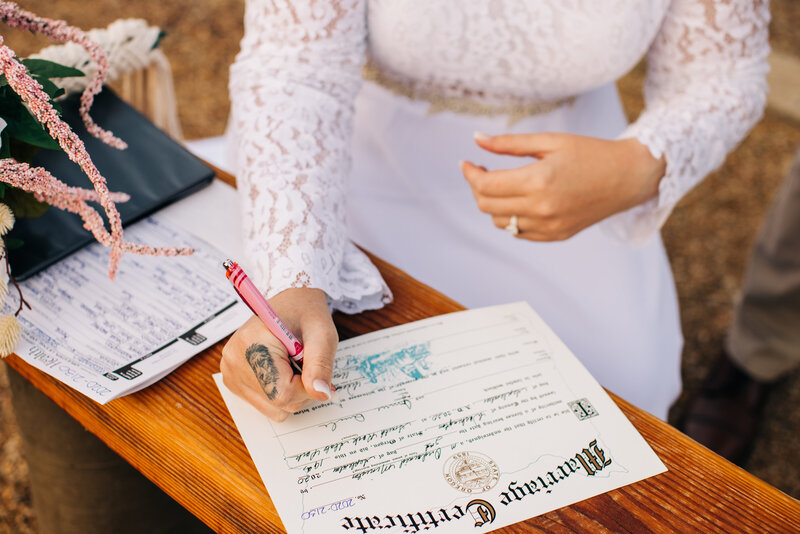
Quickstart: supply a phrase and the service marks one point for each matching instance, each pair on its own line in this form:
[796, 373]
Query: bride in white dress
[324, 157]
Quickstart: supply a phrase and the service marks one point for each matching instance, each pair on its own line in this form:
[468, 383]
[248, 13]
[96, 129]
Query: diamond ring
[512, 227]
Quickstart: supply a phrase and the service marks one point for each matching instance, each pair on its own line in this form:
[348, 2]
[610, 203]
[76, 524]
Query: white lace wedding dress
[323, 157]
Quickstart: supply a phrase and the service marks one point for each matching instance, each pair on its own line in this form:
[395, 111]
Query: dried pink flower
[38, 181]
[47, 188]
[61, 32]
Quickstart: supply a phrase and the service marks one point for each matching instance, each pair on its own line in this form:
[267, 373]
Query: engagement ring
[512, 227]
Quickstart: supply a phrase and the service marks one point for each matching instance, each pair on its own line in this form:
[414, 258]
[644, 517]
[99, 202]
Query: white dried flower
[6, 219]
[10, 332]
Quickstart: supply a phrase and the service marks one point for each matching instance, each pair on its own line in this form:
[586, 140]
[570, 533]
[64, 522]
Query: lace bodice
[294, 83]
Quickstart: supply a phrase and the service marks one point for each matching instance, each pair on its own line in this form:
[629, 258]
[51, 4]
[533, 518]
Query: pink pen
[259, 305]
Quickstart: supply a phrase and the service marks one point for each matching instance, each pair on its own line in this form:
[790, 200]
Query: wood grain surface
[179, 434]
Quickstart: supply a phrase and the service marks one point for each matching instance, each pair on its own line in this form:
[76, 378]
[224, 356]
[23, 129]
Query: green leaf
[23, 204]
[21, 151]
[161, 35]
[52, 90]
[2, 190]
[42, 68]
[21, 124]
[57, 105]
[14, 243]
[28, 130]
[5, 145]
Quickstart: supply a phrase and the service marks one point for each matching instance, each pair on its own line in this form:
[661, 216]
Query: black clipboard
[155, 170]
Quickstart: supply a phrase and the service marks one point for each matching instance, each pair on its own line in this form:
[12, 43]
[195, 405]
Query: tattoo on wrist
[263, 366]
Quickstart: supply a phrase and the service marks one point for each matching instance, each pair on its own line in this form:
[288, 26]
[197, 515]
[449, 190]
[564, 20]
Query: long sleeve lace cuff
[352, 284]
[705, 88]
[359, 286]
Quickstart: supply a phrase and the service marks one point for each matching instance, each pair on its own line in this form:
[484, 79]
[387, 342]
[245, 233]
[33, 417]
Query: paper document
[108, 339]
[465, 422]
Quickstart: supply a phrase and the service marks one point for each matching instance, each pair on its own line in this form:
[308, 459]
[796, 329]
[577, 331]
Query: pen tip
[227, 264]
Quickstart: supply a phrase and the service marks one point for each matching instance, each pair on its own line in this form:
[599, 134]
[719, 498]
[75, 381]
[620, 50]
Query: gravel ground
[707, 238]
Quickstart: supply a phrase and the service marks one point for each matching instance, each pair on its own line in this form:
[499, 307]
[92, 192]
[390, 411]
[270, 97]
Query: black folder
[154, 170]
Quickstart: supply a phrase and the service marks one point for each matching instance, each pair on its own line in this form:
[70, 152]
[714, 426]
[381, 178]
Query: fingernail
[322, 387]
[480, 136]
[461, 163]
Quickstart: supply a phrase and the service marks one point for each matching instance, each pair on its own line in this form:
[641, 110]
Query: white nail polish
[480, 136]
[322, 387]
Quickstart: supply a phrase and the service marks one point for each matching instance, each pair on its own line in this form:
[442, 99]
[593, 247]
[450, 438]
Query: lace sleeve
[705, 88]
[292, 88]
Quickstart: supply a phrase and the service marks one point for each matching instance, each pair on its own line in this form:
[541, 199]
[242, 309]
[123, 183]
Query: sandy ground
[707, 237]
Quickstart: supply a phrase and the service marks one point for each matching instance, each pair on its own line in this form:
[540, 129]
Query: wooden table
[179, 434]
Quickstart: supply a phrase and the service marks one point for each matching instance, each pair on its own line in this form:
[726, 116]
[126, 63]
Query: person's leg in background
[79, 485]
[763, 342]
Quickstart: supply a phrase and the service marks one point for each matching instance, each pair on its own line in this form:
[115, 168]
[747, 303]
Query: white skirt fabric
[613, 304]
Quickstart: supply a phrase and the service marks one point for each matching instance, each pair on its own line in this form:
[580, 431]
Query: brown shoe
[724, 414]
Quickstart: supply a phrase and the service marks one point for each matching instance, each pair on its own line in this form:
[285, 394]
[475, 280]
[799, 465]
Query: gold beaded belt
[462, 105]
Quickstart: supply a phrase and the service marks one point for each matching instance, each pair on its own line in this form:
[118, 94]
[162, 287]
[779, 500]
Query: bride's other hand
[255, 365]
[575, 182]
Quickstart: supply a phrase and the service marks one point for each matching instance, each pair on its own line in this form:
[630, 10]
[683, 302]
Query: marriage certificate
[465, 422]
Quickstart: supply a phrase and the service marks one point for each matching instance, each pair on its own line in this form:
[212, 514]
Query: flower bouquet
[30, 120]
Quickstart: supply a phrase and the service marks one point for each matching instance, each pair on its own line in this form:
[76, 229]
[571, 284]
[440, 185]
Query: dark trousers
[79, 485]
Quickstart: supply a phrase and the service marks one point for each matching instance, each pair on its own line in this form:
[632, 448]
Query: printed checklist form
[110, 338]
[465, 422]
